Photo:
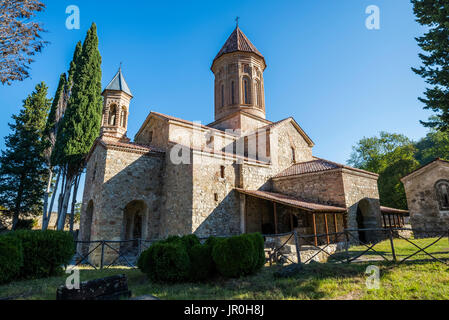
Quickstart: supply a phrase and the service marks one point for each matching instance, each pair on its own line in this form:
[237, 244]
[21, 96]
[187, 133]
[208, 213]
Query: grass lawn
[412, 280]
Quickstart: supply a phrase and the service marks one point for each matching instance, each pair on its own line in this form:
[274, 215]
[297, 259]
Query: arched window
[246, 91]
[232, 92]
[112, 115]
[442, 189]
[258, 95]
[293, 155]
[222, 95]
[123, 118]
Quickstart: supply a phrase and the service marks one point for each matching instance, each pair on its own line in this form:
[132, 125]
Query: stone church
[242, 173]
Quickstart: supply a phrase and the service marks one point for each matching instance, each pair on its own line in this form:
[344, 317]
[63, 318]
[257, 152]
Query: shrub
[11, 258]
[201, 263]
[235, 257]
[26, 224]
[259, 252]
[45, 252]
[166, 262]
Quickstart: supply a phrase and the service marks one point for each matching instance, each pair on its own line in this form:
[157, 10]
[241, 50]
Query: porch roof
[292, 202]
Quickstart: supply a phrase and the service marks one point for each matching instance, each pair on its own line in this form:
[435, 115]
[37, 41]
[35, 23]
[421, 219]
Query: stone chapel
[245, 173]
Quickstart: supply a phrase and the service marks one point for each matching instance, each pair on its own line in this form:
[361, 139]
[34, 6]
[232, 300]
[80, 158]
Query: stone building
[241, 173]
[427, 191]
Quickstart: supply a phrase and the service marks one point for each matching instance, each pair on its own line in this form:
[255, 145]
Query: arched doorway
[135, 223]
[368, 217]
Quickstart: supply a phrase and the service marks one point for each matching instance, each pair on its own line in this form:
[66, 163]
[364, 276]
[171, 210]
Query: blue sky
[338, 79]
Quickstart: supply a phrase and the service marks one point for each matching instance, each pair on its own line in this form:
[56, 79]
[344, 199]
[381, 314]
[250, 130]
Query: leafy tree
[82, 119]
[434, 14]
[392, 156]
[20, 38]
[434, 145]
[22, 165]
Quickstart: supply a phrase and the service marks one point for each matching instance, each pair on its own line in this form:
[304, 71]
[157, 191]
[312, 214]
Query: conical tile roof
[238, 42]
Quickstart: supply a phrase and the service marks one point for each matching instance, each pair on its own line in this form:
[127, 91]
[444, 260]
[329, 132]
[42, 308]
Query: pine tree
[435, 70]
[82, 119]
[23, 165]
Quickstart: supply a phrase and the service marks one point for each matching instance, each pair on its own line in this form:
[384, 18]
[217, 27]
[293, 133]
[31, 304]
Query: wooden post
[291, 221]
[385, 220]
[389, 221]
[298, 250]
[336, 227]
[314, 229]
[392, 246]
[275, 218]
[327, 229]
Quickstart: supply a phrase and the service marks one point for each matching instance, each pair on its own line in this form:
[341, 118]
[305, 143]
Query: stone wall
[422, 199]
[215, 209]
[362, 186]
[323, 187]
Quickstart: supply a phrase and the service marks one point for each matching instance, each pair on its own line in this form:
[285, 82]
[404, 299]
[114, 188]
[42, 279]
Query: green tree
[392, 156]
[22, 164]
[82, 119]
[434, 14]
[434, 145]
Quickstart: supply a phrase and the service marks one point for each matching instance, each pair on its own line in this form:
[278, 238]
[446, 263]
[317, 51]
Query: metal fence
[347, 246]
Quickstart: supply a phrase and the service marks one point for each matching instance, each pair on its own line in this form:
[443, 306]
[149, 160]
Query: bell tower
[239, 83]
[117, 98]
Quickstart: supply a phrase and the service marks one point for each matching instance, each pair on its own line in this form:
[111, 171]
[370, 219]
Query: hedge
[45, 252]
[179, 259]
[11, 258]
[165, 262]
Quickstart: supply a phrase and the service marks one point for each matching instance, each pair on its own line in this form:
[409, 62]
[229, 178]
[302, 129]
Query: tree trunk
[75, 193]
[52, 202]
[46, 195]
[60, 198]
[16, 212]
[65, 203]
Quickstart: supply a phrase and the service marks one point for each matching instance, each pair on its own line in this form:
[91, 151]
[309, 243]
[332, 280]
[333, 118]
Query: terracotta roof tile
[318, 165]
[291, 201]
[238, 42]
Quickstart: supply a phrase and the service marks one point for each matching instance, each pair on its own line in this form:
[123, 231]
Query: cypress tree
[434, 14]
[22, 164]
[82, 119]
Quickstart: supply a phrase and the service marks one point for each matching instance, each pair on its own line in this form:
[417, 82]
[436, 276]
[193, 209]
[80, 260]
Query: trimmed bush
[45, 252]
[201, 263]
[165, 262]
[11, 258]
[259, 252]
[235, 257]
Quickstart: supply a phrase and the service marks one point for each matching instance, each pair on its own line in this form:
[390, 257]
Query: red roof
[238, 42]
[314, 166]
[293, 202]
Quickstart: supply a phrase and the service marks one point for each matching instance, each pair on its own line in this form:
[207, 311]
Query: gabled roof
[293, 202]
[437, 160]
[238, 42]
[296, 125]
[318, 165]
[118, 83]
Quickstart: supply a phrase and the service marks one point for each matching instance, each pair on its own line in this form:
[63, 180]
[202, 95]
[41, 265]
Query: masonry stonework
[426, 197]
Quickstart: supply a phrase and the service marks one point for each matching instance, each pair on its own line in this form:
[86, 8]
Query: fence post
[392, 246]
[298, 250]
[139, 247]
[102, 255]
[347, 246]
